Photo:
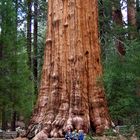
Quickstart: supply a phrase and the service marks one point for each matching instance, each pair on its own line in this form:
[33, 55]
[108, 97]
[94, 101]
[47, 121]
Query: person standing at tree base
[81, 135]
[68, 135]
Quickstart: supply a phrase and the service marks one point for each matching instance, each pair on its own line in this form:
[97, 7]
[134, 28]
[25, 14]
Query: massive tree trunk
[71, 92]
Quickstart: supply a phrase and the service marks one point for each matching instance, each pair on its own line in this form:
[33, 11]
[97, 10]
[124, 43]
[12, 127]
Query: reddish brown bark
[70, 95]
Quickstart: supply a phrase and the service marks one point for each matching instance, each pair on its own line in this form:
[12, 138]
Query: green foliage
[121, 73]
[43, 5]
[89, 137]
[16, 82]
[121, 78]
[16, 88]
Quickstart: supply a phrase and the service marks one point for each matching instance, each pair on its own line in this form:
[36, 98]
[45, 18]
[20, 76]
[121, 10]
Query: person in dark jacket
[81, 135]
[75, 135]
[68, 135]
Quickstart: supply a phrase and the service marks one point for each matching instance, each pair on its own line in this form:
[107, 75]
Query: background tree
[14, 72]
[29, 32]
[118, 27]
[105, 19]
[138, 15]
[120, 79]
[35, 62]
[131, 13]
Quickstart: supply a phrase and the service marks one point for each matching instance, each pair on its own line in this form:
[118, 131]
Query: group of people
[74, 135]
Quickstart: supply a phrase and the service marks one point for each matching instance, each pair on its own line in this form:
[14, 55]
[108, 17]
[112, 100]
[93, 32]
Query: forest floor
[120, 137]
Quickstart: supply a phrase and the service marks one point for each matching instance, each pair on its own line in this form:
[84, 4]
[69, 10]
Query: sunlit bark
[71, 93]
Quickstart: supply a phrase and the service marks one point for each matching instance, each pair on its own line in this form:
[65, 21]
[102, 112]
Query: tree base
[59, 126]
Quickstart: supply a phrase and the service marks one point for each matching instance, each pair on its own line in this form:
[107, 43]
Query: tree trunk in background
[117, 19]
[138, 15]
[102, 18]
[102, 26]
[13, 122]
[13, 114]
[131, 13]
[4, 122]
[2, 31]
[1, 50]
[35, 64]
[138, 5]
[71, 93]
[29, 34]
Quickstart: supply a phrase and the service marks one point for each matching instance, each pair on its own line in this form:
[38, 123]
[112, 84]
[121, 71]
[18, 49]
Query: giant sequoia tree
[71, 93]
